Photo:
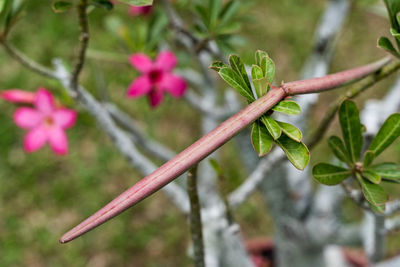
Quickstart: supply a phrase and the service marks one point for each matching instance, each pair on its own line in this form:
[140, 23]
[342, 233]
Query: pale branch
[26, 61]
[323, 126]
[215, 139]
[392, 207]
[195, 218]
[154, 148]
[120, 139]
[391, 225]
[83, 43]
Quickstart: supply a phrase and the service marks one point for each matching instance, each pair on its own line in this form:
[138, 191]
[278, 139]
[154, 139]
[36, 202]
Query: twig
[317, 135]
[26, 61]
[195, 217]
[83, 43]
[213, 140]
[154, 148]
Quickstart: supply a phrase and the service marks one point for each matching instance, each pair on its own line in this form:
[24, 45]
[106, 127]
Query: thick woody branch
[213, 140]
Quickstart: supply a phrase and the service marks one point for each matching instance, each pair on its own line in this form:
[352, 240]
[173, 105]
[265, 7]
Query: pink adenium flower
[18, 96]
[140, 10]
[45, 122]
[156, 78]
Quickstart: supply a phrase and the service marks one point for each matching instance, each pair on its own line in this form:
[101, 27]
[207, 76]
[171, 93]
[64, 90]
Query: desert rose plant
[185, 53]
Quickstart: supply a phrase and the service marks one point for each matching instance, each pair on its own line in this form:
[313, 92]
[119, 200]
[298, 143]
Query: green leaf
[61, 6]
[373, 193]
[214, 9]
[386, 45]
[260, 138]
[273, 127]
[291, 131]
[137, 2]
[238, 66]
[389, 132]
[287, 107]
[259, 56]
[329, 174]
[351, 129]
[105, 4]
[387, 170]
[218, 65]
[260, 83]
[228, 12]
[369, 157]
[338, 149]
[372, 176]
[2, 5]
[395, 33]
[377, 208]
[217, 168]
[234, 80]
[296, 152]
[393, 7]
[268, 67]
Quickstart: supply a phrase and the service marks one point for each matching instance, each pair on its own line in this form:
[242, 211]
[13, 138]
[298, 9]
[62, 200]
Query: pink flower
[45, 123]
[156, 77]
[140, 10]
[18, 96]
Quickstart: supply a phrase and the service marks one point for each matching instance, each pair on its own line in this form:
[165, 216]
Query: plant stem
[215, 139]
[195, 218]
[84, 42]
[317, 135]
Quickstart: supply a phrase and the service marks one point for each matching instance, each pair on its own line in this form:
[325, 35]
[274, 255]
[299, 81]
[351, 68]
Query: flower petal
[27, 118]
[35, 139]
[139, 87]
[44, 101]
[58, 141]
[18, 96]
[174, 84]
[155, 98]
[64, 118]
[166, 60]
[140, 10]
[141, 62]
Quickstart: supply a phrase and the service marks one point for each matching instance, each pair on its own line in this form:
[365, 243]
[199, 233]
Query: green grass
[42, 196]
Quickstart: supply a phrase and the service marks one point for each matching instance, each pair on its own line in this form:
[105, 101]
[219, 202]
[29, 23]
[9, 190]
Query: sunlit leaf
[287, 107]
[338, 149]
[260, 138]
[236, 82]
[329, 174]
[296, 152]
[137, 2]
[273, 127]
[373, 193]
[291, 131]
[351, 129]
[372, 176]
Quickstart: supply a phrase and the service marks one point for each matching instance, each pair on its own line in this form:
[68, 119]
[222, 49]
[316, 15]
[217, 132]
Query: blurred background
[42, 196]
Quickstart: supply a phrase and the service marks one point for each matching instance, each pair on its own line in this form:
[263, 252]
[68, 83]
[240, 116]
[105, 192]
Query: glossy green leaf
[268, 67]
[105, 4]
[377, 208]
[259, 56]
[218, 65]
[260, 83]
[287, 107]
[393, 7]
[372, 176]
[236, 82]
[373, 193]
[238, 66]
[137, 2]
[273, 127]
[296, 152]
[387, 45]
[395, 33]
[329, 174]
[351, 129]
[338, 149]
[291, 131]
[387, 170]
[369, 157]
[260, 138]
[389, 132]
[61, 6]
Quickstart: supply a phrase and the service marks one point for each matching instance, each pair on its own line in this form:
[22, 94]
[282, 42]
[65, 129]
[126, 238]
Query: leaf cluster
[266, 131]
[218, 20]
[393, 7]
[348, 151]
